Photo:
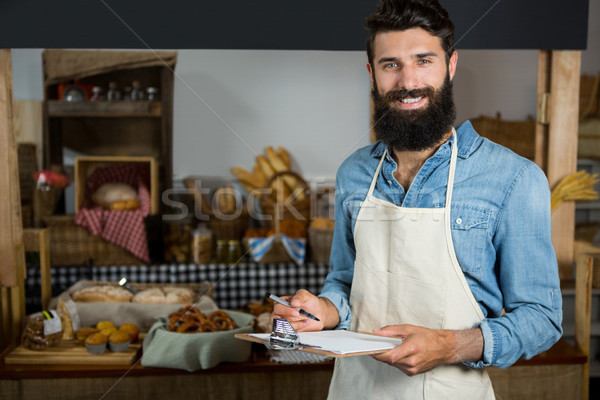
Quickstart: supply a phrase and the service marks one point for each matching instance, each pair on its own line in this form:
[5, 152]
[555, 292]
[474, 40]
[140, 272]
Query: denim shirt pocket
[469, 233]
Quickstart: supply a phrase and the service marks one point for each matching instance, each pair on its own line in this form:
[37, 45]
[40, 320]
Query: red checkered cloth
[125, 228]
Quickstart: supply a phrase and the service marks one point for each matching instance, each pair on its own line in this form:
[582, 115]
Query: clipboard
[330, 343]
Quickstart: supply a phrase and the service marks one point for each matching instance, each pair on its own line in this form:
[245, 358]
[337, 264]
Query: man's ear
[452, 64]
[370, 69]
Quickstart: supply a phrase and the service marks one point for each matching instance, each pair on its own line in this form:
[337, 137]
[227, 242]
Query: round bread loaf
[176, 295]
[166, 295]
[153, 296]
[105, 294]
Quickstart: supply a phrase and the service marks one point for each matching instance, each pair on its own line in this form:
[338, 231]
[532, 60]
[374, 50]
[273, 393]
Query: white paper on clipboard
[342, 341]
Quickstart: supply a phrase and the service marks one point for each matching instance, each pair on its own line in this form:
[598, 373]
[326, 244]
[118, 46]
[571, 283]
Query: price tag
[51, 323]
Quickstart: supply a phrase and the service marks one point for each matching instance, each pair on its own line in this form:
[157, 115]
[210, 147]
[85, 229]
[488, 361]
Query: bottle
[152, 94]
[113, 94]
[97, 94]
[137, 94]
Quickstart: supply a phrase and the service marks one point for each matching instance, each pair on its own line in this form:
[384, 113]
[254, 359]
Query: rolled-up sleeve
[528, 275]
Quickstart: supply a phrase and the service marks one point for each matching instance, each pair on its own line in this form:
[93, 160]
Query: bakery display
[166, 295]
[102, 293]
[191, 320]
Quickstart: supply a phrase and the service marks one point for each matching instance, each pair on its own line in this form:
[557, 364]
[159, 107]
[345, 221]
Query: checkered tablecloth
[234, 285]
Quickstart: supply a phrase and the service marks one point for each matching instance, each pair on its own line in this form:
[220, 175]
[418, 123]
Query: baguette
[285, 156]
[249, 180]
[280, 166]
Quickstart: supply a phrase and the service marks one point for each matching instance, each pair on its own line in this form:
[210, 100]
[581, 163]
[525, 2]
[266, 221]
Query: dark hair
[400, 15]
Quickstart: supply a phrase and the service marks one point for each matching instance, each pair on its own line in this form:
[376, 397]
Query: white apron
[406, 272]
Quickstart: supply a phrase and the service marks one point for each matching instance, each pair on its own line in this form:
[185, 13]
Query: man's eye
[391, 65]
[424, 62]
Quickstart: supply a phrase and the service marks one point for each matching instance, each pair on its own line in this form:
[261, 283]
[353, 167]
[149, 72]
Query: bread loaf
[104, 294]
[166, 295]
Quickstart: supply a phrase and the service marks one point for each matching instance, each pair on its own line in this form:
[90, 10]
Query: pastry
[132, 330]
[84, 332]
[105, 293]
[96, 339]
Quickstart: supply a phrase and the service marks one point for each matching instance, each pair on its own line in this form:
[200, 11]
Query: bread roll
[166, 295]
[153, 296]
[105, 294]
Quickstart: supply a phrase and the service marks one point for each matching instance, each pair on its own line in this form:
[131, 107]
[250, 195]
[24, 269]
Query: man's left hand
[423, 349]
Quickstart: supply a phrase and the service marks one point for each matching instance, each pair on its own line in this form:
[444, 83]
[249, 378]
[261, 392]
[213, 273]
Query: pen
[287, 304]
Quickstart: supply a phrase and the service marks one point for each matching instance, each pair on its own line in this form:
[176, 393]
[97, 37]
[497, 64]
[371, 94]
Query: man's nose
[408, 78]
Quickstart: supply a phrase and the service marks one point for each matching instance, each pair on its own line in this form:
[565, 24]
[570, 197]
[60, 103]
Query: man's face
[412, 89]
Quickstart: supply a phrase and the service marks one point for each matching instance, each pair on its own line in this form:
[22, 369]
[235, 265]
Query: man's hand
[317, 306]
[423, 349]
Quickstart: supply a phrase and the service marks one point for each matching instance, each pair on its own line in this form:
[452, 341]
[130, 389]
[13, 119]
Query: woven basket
[71, 244]
[276, 254]
[319, 241]
[274, 211]
[519, 136]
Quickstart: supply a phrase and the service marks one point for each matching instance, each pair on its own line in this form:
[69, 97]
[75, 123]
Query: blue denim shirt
[500, 228]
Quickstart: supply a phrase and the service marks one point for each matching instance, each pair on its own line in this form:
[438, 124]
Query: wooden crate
[85, 166]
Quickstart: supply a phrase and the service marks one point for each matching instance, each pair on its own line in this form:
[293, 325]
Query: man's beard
[418, 129]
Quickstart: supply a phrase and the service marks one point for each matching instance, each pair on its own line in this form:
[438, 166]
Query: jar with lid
[222, 252]
[234, 248]
[97, 94]
[137, 94]
[201, 245]
[127, 93]
[152, 94]
[113, 94]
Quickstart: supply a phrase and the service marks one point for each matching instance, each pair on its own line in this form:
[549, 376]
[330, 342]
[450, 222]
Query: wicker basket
[71, 244]
[519, 136]
[276, 211]
[276, 254]
[319, 241]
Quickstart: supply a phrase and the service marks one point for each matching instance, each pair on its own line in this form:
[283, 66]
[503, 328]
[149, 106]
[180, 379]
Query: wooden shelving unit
[115, 128]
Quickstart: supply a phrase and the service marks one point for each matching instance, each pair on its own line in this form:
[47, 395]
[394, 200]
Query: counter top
[561, 353]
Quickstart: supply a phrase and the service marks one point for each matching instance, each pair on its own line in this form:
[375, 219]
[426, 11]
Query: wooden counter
[552, 374]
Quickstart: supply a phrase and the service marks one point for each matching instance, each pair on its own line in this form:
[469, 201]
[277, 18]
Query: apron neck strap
[453, 158]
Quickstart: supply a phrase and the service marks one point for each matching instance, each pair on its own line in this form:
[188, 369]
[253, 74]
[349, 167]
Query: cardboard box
[85, 166]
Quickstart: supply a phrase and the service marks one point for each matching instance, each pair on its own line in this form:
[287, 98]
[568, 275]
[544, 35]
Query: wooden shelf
[58, 108]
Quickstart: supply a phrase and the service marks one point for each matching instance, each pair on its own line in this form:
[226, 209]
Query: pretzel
[191, 320]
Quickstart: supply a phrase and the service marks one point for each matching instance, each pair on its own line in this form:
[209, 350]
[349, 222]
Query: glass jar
[152, 94]
[201, 245]
[97, 94]
[137, 94]
[113, 94]
[222, 252]
[234, 248]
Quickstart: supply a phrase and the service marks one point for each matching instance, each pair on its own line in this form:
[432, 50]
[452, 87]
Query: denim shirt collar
[469, 141]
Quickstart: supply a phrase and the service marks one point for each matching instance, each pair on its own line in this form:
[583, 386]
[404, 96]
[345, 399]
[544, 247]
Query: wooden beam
[12, 267]
[562, 149]
[583, 311]
[543, 94]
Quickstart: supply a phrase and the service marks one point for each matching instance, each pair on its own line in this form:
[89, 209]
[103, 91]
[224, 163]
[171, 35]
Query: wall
[230, 104]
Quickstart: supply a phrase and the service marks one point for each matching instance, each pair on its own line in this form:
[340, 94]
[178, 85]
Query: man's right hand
[318, 306]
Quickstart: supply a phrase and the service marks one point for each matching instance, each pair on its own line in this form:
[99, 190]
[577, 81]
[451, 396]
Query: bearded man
[442, 238]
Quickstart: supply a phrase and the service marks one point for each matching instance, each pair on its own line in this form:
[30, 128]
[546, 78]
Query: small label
[51, 323]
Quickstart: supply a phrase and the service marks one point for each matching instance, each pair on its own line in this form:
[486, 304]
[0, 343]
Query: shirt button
[458, 221]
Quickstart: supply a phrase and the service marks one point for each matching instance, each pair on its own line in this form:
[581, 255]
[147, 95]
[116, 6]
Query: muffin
[119, 341]
[105, 324]
[109, 330]
[96, 343]
[132, 330]
[84, 332]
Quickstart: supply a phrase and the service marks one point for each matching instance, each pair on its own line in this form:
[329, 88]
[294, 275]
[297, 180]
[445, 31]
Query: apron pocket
[391, 299]
[473, 387]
